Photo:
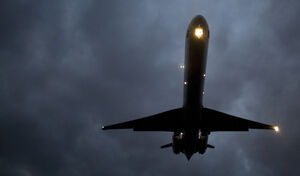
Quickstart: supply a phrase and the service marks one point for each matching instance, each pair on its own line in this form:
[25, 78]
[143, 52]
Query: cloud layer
[68, 67]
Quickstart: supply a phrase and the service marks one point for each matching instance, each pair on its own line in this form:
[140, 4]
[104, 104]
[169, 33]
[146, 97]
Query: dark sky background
[69, 66]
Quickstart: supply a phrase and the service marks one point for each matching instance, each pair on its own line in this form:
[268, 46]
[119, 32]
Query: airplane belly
[195, 65]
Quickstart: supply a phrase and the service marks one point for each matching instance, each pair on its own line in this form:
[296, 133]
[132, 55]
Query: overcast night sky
[69, 66]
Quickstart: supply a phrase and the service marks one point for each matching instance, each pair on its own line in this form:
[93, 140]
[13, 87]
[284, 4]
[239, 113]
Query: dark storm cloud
[68, 67]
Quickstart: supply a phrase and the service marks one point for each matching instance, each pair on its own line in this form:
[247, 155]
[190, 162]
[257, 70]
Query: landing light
[198, 32]
[276, 128]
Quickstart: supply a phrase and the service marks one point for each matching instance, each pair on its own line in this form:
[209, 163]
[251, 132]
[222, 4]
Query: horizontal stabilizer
[210, 146]
[167, 145]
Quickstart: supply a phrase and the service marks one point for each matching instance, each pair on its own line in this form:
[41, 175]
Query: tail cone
[188, 156]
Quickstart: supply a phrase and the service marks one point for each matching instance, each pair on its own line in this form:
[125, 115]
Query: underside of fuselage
[194, 75]
[196, 44]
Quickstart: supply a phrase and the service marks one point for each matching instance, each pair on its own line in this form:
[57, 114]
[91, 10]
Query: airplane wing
[172, 121]
[219, 121]
[165, 121]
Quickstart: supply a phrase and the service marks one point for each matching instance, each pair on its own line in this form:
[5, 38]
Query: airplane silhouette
[192, 123]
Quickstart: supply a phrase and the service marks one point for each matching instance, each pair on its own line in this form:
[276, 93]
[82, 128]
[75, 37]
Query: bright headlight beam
[198, 32]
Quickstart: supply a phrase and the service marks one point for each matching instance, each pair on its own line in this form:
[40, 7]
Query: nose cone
[198, 28]
[199, 20]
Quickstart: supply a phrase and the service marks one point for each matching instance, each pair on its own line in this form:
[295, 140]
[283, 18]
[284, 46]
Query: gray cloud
[68, 67]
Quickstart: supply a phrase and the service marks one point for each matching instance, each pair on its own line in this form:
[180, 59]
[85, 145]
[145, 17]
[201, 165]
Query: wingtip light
[276, 128]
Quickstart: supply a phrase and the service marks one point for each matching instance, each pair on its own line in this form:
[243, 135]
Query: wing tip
[276, 129]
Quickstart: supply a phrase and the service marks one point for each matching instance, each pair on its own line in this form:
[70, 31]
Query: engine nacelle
[177, 142]
[202, 143]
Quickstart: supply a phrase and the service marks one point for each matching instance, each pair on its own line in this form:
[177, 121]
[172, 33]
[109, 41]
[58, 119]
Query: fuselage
[196, 44]
[194, 75]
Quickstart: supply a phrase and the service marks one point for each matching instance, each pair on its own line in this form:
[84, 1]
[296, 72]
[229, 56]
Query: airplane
[192, 123]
